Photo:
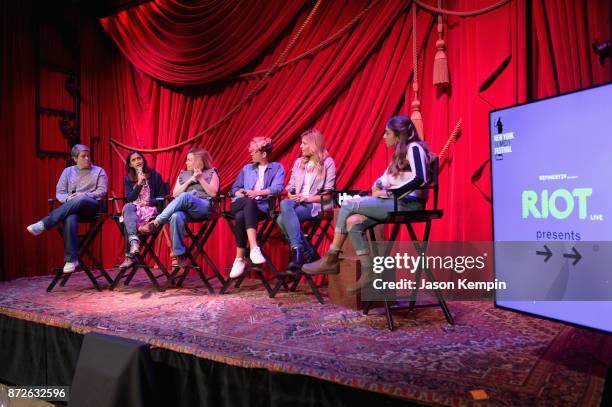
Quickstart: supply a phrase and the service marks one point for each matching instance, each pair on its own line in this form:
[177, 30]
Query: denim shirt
[274, 179]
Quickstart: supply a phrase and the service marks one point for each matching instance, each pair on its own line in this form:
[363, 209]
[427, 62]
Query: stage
[514, 359]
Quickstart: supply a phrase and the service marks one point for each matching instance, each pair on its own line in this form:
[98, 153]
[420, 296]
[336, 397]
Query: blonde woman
[193, 191]
[313, 175]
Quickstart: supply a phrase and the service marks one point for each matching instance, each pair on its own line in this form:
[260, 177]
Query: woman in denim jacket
[257, 181]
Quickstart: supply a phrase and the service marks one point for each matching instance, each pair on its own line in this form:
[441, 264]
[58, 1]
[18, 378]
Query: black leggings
[246, 215]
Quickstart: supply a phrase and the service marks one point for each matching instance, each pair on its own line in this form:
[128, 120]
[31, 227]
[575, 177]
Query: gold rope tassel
[440, 73]
[440, 68]
[416, 117]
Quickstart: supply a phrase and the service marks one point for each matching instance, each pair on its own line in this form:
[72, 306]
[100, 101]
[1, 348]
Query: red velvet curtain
[192, 43]
[368, 84]
[348, 89]
[563, 31]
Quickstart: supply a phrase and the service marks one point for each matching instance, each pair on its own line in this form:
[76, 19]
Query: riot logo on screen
[559, 204]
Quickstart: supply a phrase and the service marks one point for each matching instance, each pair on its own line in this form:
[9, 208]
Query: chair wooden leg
[92, 278]
[59, 275]
[265, 283]
[227, 283]
[389, 316]
[118, 278]
[366, 307]
[171, 278]
[65, 278]
[315, 289]
[153, 279]
[204, 280]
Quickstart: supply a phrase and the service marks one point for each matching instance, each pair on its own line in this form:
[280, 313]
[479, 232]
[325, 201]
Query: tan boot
[329, 264]
[365, 280]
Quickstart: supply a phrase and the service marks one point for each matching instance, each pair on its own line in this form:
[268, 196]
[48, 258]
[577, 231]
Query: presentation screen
[551, 178]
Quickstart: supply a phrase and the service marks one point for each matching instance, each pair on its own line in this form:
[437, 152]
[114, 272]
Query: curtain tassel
[440, 72]
[440, 69]
[416, 117]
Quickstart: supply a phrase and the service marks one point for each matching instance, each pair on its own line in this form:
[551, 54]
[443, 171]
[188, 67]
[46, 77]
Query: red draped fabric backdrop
[162, 72]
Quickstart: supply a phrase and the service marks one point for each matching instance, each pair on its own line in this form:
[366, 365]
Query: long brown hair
[203, 155]
[131, 171]
[404, 129]
[320, 154]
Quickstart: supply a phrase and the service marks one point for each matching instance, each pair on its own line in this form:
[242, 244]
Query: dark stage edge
[39, 354]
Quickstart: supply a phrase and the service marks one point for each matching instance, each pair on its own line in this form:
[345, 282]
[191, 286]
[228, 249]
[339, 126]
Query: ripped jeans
[375, 210]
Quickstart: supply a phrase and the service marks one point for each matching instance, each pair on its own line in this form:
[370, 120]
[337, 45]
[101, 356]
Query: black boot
[297, 259]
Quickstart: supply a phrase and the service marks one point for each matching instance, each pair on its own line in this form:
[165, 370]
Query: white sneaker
[256, 256]
[237, 268]
[36, 228]
[70, 266]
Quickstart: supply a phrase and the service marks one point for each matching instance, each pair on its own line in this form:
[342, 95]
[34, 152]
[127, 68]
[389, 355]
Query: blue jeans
[80, 208]
[130, 220]
[374, 209]
[291, 214]
[186, 207]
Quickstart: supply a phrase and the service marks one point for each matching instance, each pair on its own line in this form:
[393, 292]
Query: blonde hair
[263, 144]
[203, 155]
[320, 154]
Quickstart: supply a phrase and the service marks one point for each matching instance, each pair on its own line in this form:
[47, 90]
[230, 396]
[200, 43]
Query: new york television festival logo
[502, 141]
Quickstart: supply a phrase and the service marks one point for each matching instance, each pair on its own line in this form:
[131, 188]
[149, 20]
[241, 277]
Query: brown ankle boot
[329, 264]
[365, 280]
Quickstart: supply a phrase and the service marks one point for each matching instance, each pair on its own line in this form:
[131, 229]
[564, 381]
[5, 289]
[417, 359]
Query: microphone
[140, 172]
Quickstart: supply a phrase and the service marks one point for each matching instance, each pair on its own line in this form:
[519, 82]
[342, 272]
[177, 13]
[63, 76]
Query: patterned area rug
[516, 360]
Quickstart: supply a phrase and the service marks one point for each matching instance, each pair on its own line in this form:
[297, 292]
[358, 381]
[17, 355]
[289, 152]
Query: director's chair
[94, 227]
[315, 233]
[147, 249]
[399, 218]
[264, 228]
[196, 248]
